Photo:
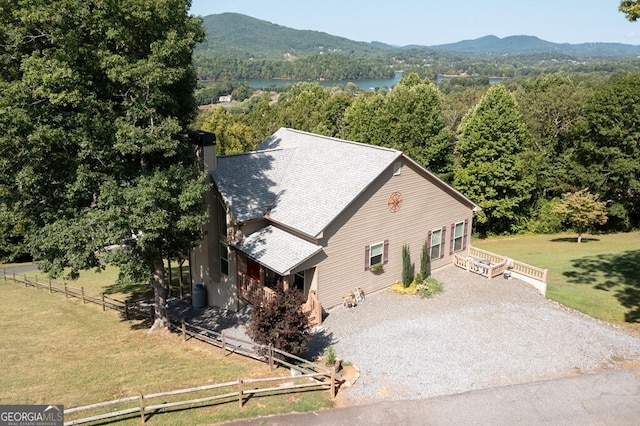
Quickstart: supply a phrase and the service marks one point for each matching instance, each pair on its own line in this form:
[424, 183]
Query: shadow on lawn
[620, 273]
[574, 240]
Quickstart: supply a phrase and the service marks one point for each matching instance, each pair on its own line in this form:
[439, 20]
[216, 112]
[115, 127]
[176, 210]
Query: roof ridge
[255, 151]
[345, 141]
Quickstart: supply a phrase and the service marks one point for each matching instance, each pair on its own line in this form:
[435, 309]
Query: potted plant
[377, 267]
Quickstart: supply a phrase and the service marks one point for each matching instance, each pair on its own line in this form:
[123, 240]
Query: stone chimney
[206, 151]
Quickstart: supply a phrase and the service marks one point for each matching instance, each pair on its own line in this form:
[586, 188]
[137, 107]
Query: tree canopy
[582, 210]
[95, 100]
[490, 166]
[631, 9]
[409, 118]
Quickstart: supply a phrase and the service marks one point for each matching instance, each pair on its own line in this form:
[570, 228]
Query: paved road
[611, 397]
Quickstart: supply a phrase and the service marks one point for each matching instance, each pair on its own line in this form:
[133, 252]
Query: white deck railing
[491, 265]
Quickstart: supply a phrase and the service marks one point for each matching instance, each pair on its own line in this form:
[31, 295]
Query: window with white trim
[377, 253]
[436, 241]
[224, 259]
[458, 236]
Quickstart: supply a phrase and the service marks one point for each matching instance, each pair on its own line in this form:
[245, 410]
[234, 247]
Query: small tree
[281, 322]
[581, 210]
[425, 261]
[406, 266]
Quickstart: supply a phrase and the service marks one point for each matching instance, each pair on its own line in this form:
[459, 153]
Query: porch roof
[276, 249]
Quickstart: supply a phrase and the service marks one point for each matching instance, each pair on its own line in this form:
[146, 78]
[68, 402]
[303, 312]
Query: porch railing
[476, 261]
[314, 307]
[252, 290]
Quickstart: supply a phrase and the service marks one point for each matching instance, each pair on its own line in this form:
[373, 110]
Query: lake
[362, 84]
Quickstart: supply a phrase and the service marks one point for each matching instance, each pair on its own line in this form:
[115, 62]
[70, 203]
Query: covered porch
[271, 256]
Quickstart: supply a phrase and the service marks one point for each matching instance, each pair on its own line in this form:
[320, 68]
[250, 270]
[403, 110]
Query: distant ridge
[522, 44]
[240, 36]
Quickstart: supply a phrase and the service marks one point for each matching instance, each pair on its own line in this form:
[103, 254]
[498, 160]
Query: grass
[599, 276]
[59, 351]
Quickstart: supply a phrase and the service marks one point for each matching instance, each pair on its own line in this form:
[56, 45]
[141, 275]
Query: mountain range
[241, 36]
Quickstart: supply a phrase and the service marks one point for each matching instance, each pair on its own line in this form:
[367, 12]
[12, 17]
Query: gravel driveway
[478, 334]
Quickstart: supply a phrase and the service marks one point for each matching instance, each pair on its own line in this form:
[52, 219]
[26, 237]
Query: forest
[515, 148]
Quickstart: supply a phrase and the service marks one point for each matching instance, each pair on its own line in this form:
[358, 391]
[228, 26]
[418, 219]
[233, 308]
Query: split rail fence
[302, 370]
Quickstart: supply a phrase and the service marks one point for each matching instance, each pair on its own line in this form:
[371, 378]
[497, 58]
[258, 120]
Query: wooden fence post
[4, 274]
[66, 293]
[37, 285]
[82, 291]
[240, 396]
[50, 290]
[102, 299]
[332, 388]
[224, 341]
[142, 408]
[270, 356]
[26, 283]
[184, 330]
[126, 310]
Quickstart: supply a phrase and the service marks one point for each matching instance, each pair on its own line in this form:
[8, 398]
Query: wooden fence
[237, 390]
[128, 308]
[321, 377]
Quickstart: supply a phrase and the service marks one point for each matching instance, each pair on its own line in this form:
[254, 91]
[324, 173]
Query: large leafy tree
[490, 167]
[95, 97]
[409, 119]
[607, 157]
[553, 109]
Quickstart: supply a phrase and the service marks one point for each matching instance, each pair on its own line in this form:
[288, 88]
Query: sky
[430, 23]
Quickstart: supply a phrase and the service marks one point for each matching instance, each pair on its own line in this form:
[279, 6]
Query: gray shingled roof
[301, 179]
[276, 249]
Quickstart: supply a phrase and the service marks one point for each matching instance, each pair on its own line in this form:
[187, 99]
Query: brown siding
[426, 205]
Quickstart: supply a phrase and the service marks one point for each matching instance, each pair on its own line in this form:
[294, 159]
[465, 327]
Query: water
[362, 84]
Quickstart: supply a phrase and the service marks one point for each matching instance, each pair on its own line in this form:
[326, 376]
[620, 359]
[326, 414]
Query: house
[319, 213]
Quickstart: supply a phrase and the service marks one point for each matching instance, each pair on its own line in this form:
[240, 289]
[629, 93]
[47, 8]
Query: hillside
[243, 37]
[529, 44]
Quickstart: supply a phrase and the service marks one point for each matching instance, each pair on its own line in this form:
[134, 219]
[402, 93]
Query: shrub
[425, 261]
[281, 322]
[330, 356]
[406, 266]
[429, 287]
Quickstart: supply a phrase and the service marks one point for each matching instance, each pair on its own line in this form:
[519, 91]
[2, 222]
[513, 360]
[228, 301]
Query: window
[224, 259]
[222, 221]
[436, 240]
[376, 253]
[458, 236]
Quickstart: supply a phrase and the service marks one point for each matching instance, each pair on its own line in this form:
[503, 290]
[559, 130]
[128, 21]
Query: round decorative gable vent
[395, 202]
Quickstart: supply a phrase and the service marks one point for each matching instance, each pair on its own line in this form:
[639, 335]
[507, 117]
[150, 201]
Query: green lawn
[59, 351]
[600, 276]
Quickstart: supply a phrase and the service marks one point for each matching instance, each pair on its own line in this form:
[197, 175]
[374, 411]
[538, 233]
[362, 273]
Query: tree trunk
[160, 297]
[579, 234]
